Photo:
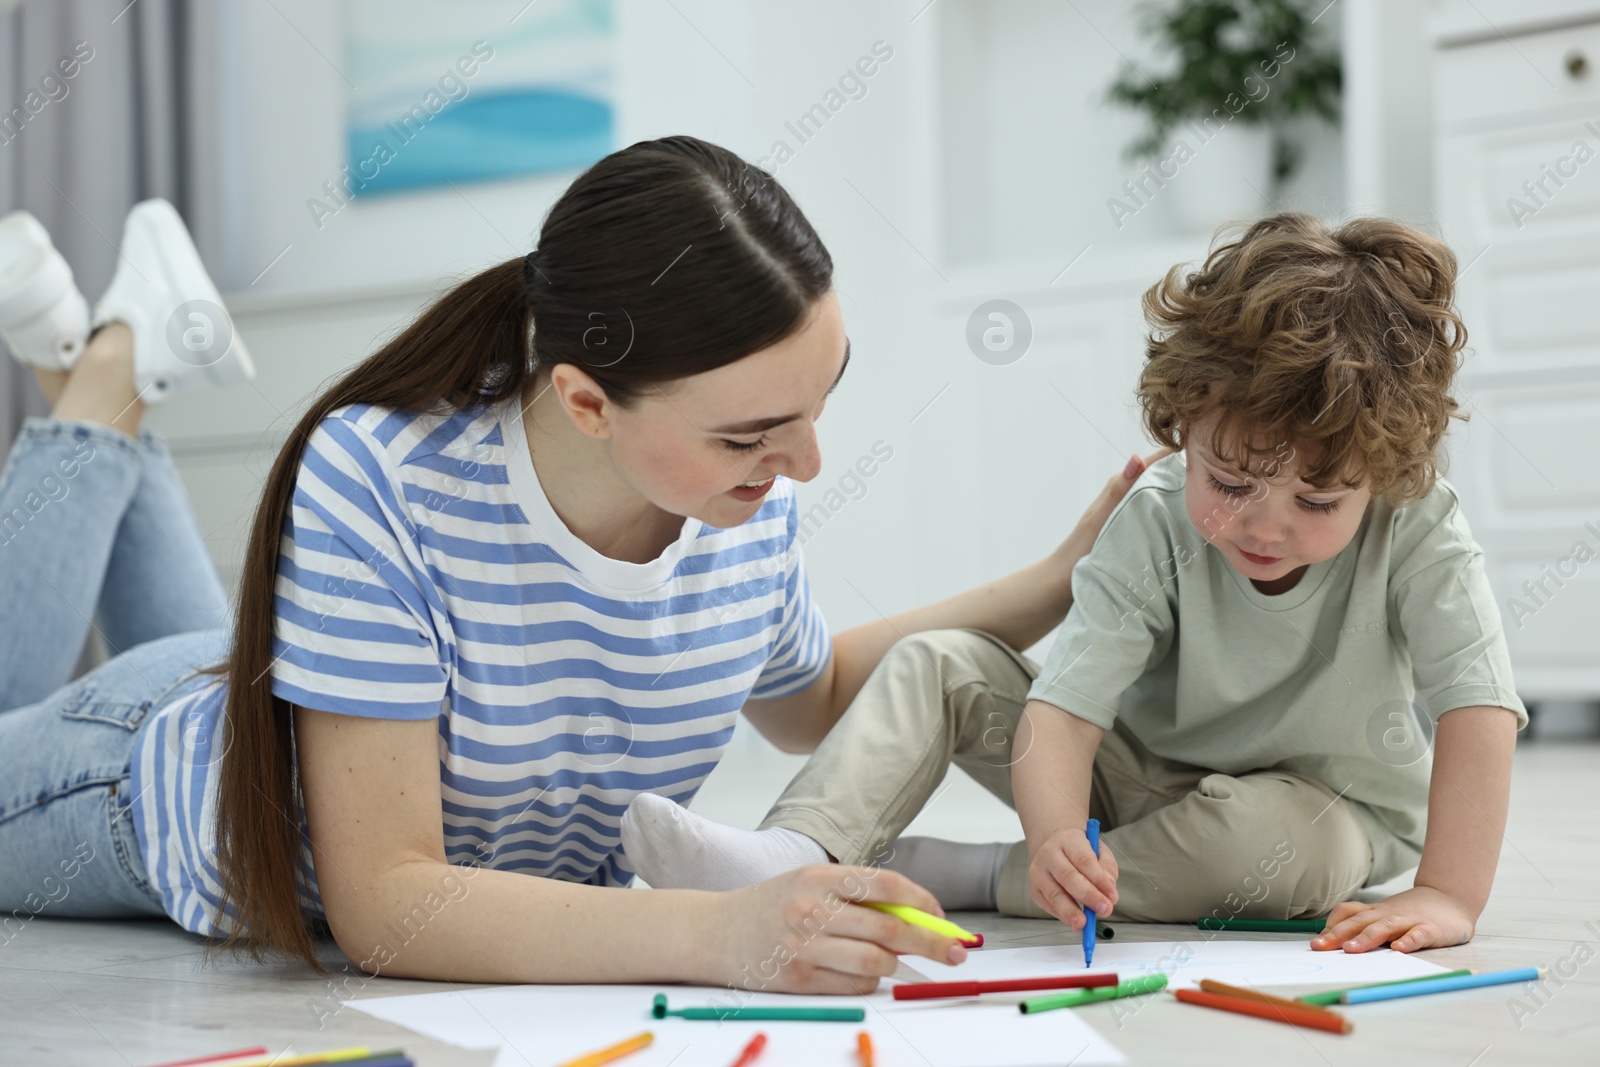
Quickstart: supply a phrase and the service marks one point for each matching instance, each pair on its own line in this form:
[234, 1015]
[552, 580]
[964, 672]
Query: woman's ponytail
[468, 347]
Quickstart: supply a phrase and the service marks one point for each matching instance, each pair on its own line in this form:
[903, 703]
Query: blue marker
[1440, 985]
[1089, 917]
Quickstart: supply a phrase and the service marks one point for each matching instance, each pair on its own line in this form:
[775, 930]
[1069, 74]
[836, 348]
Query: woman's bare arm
[1019, 609]
[396, 907]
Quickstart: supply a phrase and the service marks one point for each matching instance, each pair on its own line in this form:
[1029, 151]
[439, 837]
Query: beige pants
[1189, 842]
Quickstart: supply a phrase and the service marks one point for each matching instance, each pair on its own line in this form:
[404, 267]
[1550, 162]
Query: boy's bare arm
[1467, 801]
[1052, 758]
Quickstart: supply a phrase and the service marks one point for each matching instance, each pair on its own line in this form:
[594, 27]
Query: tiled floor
[128, 994]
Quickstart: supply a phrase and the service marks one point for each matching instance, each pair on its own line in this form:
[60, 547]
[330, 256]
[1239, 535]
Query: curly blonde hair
[1339, 342]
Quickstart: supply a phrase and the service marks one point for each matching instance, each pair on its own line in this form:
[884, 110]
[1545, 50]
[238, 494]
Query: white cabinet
[1517, 172]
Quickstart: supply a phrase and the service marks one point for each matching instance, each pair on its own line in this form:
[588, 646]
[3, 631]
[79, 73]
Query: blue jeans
[94, 525]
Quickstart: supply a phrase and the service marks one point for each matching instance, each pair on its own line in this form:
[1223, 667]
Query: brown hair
[663, 260]
[1341, 342]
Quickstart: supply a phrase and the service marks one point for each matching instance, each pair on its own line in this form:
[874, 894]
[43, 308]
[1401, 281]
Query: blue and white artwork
[471, 90]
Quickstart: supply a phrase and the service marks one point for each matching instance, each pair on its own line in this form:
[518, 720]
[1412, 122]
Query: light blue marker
[1089, 917]
[1440, 985]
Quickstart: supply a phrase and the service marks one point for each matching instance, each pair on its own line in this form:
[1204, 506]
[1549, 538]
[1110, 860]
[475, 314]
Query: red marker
[751, 1051]
[933, 990]
[218, 1058]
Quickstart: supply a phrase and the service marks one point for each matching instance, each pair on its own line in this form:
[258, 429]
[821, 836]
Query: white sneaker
[182, 335]
[43, 317]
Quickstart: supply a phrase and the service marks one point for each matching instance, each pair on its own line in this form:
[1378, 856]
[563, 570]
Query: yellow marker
[305, 1059]
[917, 917]
[615, 1052]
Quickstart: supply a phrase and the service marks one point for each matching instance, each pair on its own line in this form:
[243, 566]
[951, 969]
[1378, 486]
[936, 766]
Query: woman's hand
[1082, 537]
[801, 932]
[1417, 918]
[1065, 872]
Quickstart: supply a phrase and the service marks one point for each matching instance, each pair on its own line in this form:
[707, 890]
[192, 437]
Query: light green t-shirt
[1322, 680]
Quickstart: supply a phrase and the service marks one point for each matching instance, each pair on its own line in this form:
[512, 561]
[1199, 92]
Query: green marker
[808, 1015]
[1332, 996]
[1147, 983]
[1273, 926]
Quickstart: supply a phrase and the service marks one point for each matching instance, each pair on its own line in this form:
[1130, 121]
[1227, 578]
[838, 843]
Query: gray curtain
[137, 120]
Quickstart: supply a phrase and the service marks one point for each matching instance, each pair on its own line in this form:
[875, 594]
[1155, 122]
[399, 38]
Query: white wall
[978, 164]
[285, 108]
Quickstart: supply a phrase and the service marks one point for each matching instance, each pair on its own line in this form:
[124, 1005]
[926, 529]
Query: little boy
[1282, 663]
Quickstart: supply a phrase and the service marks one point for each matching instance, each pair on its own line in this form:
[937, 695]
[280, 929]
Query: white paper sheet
[1237, 962]
[537, 1026]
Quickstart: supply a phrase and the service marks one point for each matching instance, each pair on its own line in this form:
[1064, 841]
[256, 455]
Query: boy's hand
[1418, 918]
[1065, 871]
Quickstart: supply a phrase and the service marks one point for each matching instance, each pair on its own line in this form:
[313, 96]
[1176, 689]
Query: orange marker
[864, 1048]
[751, 1051]
[1301, 1016]
[615, 1052]
[1209, 986]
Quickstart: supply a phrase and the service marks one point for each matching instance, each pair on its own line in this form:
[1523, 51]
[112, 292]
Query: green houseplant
[1256, 62]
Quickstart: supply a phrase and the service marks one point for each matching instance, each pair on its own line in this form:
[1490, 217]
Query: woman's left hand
[1417, 918]
[1081, 539]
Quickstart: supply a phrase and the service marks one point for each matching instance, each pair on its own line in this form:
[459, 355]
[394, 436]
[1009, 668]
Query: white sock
[960, 876]
[671, 847]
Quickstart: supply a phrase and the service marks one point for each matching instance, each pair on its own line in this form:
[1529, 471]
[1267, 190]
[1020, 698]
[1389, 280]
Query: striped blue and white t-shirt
[424, 575]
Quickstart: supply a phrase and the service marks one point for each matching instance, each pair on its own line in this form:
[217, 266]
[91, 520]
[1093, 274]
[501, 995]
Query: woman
[511, 583]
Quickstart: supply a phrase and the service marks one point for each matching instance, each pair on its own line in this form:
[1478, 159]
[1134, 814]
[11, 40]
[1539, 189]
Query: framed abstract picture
[451, 91]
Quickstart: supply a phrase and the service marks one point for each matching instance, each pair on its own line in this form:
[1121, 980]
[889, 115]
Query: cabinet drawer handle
[1577, 65]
